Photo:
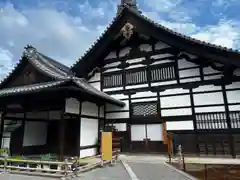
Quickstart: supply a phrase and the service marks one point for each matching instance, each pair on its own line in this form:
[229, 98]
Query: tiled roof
[180, 35]
[80, 83]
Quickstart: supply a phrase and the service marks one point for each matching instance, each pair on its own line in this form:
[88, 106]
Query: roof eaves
[30, 88]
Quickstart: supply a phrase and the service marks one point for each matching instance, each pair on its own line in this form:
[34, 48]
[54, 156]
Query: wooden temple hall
[154, 87]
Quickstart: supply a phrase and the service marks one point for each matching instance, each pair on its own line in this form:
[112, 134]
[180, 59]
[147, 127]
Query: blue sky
[65, 29]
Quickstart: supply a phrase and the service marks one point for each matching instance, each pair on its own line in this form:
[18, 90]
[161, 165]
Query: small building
[147, 81]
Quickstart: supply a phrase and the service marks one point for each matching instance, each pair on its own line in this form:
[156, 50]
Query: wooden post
[2, 128]
[61, 137]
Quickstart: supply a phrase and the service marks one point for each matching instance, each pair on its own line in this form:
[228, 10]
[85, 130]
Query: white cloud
[56, 34]
[6, 64]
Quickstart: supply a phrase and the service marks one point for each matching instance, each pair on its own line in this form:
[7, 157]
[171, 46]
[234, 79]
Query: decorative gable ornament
[127, 30]
[30, 52]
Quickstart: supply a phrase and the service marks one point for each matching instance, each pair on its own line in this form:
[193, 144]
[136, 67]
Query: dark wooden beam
[61, 137]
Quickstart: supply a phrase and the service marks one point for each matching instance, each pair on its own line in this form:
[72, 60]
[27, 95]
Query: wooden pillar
[2, 128]
[230, 136]
[61, 137]
[194, 123]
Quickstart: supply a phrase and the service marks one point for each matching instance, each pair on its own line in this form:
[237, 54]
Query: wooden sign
[106, 146]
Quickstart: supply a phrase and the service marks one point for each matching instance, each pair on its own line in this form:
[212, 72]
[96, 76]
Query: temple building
[153, 85]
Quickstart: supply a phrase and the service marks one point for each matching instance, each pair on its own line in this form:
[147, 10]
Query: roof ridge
[34, 56]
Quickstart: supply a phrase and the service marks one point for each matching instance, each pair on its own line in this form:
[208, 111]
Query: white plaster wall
[189, 73]
[96, 77]
[72, 105]
[233, 96]
[88, 152]
[182, 63]
[96, 85]
[160, 45]
[137, 86]
[175, 101]
[112, 89]
[124, 52]
[176, 112]
[209, 109]
[234, 85]
[179, 125]
[35, 133]
[208, 98]
[119, 96]
[174, 91]
[205, 88]
[145, 47]
[144, 99]
[117, 115]
[120, 126]
[89, 108]
[111, 55]
[88, 132]
[144, 94]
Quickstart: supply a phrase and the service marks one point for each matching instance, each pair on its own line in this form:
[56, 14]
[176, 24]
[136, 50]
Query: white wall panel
[176, 112]
[234, 85]
[136, 66]
[210, 109]
[144, 94]
[174, 91]
[137, 86]
[111, 55]
[144, 100]
[89, 108]
[160, 45]
[112, 89]
[154, 132]
[111, 70]
[112, 64]
[162, 62]
[5, 142]
[175, 101]
[163, 83]
[96, 85]
[96, 77]
[212, 77]
[179, 125]
[125, 51]
[35, 133]
[88, 132]
[145, 47]
[135, 60]
[190, 80]
[208, 98]
[182, 63]
[138, 132]
[118, 115]
[88, 152]
[159, 56]
[111, 107]
[120, 126]
[189, 73]
[234, 107]
[72, 106]
[205, 88]
[233, 96]
[209, 70]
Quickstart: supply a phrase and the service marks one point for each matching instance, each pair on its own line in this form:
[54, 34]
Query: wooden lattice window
[213, 120]
[164, 72]
[136, 77]
[113, 80]
[144, 109]
[235, 119]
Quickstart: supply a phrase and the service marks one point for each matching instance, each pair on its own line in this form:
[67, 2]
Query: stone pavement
[116, 172]
[149, 171]
[8, 176]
